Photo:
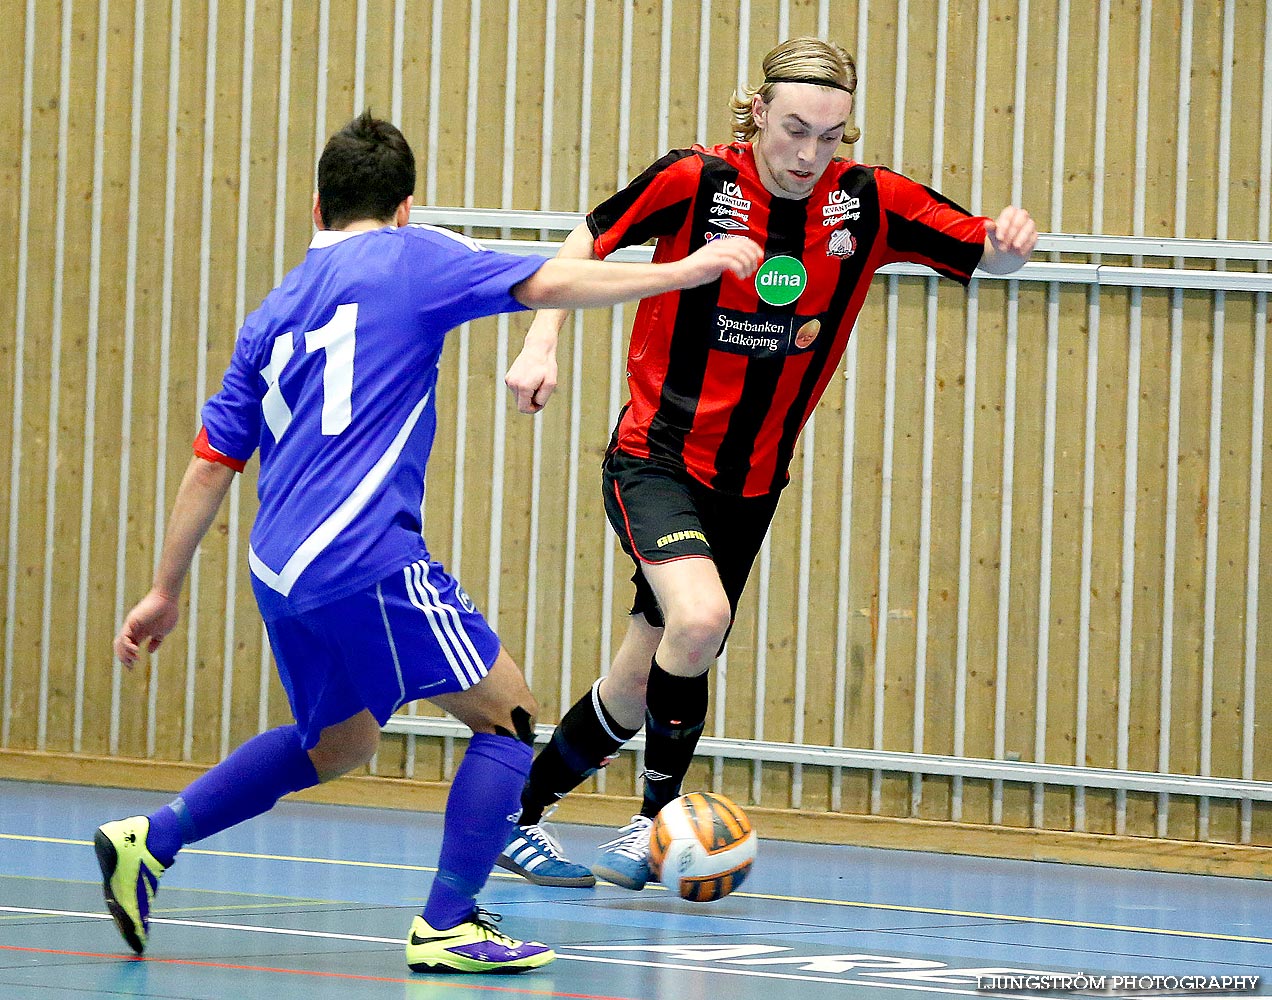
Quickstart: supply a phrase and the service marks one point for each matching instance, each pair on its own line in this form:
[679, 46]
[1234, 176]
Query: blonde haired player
[722, 380]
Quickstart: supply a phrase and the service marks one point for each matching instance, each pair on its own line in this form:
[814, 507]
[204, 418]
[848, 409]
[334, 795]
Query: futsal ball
[701, 846]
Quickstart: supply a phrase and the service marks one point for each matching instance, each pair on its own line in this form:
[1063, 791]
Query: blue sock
[483, 804]
[247, 783]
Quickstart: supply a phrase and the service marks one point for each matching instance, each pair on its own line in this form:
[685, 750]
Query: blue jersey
[333, 378]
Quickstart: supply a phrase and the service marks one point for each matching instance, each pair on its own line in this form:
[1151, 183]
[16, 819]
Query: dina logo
[781, 280]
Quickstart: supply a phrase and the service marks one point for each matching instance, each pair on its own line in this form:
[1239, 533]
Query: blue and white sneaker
[535, 855]
[625, 859]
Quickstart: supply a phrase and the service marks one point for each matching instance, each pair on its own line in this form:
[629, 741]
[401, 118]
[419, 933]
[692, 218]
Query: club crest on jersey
[842, 244]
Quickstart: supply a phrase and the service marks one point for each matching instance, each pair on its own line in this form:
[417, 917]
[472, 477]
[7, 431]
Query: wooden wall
[159, 161]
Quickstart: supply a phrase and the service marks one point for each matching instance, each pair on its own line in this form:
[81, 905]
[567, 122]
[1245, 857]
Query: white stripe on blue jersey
[332, 379]
[340, 518]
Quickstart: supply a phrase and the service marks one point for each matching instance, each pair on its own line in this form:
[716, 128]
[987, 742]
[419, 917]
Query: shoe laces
[633, 839]
[545, 838]
[486, 921]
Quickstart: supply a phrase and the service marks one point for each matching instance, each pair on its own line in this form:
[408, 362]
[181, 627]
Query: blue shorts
[415, 634]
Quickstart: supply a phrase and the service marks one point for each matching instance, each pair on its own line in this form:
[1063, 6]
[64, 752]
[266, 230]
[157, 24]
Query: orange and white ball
[702, 846]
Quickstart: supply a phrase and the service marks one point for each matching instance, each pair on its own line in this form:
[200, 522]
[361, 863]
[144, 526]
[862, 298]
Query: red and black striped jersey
[723, 377]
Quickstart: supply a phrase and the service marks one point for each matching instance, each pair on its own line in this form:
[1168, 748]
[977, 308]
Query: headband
[816, 83]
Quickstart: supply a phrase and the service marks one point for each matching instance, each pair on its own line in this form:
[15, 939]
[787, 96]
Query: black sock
[582, 740]
[675, 712]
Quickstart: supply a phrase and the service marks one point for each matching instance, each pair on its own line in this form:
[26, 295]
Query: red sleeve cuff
[204, 450]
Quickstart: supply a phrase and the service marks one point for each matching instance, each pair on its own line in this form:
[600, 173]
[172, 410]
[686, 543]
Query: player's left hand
[1013, 233]
[739, 256]
[148, 623]
[532, 378]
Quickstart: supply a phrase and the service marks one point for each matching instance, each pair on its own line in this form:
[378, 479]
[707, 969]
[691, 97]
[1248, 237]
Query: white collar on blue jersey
[330, 237]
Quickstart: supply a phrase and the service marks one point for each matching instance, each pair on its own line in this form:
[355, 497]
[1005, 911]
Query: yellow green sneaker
[130, 876]
[473, 946]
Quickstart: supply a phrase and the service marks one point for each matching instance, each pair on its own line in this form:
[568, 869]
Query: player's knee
[518, 726]
[346, 746]
[699, 629]
[623, 691]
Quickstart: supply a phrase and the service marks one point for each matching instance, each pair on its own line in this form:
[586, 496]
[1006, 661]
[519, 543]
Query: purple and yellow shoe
[130, 877]
[473, 946]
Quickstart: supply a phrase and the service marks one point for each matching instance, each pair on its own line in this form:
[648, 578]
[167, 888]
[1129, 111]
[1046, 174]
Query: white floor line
[367, 939]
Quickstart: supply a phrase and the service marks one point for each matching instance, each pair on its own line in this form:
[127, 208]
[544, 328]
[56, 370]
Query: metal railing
[478, 222]
[1036, 270]
[768, 751]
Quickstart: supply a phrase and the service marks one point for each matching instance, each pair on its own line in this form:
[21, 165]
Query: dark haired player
[333, 379]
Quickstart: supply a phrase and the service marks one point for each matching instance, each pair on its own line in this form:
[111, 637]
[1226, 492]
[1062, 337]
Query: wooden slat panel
[543, 570]
[33, 433]
[1110, 458]
[1066, 541]
[62, 568]
[11, 128]
[150, 383]
[1026, 540]
[1146, 654]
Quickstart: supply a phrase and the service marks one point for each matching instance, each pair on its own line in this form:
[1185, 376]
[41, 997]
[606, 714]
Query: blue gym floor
[314, 901]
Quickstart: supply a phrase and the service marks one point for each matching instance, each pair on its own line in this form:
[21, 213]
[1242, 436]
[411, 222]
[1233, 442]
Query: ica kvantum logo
[781, 280]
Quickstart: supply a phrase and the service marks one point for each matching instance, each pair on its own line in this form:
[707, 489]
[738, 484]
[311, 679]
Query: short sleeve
[924, 227]
[232, 417]
[654, 204]
[460, 280]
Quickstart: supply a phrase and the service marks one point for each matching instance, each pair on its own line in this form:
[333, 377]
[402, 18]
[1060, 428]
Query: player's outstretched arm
[532, 377]
[1009, 240]
[574, 279]
[202, 489]
[581, 284]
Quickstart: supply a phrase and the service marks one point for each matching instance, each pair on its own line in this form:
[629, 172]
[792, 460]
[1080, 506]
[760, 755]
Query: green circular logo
[781, 280]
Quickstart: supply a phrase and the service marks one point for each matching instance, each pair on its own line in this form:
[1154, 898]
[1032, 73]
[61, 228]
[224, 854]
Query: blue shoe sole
[619, 878]
[554, 881]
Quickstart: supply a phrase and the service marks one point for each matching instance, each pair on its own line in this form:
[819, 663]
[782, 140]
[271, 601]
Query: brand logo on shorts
[781, 280]
[680, 536]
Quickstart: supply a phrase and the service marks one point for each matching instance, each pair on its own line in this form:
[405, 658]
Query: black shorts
[663, 514]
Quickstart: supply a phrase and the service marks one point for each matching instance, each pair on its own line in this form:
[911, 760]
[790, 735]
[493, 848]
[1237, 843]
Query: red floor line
[466, 983]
